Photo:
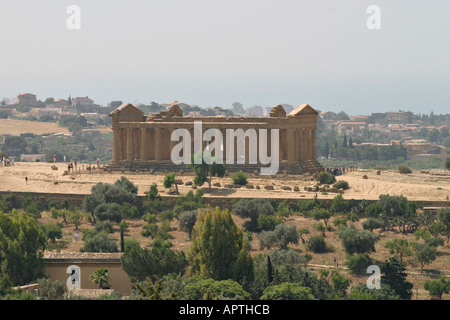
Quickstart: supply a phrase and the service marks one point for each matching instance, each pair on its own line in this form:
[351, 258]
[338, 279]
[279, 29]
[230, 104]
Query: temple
[144, 142]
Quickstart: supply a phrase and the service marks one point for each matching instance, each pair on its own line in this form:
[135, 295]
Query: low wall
[222, 202]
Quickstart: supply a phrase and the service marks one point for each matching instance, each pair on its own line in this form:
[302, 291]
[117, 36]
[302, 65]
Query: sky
[216, 52]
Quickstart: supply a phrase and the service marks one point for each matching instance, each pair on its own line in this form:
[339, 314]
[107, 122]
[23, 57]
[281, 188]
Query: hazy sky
[216, 52]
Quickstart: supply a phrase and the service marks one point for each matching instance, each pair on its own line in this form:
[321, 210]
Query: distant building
[351, 127]
[32, 157]
[419, 148]
[358, 118]
[400, 116]
[27, 99]
[54, 112]
[74, 269]
[60, 103]
[82, 101]
[328, 115]
[170, 104]
[91, 133]
[90, 115]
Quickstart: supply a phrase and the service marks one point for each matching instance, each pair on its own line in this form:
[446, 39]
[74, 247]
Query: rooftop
[83, 255]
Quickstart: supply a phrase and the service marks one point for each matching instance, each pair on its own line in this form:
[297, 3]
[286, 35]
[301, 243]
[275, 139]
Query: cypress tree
[269, 271]
[218, 250]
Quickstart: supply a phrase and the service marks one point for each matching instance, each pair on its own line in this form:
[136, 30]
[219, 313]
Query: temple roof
[303, 109]
[127, 107]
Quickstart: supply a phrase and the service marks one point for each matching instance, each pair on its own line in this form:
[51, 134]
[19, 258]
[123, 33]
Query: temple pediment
[127, 112]
[304, 109]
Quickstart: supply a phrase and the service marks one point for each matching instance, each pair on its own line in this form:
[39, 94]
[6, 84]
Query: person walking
[26, 180]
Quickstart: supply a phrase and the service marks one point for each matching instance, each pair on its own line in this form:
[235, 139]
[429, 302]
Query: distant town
[389, 138]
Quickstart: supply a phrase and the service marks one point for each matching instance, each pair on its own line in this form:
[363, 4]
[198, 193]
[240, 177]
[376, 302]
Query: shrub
[187, 221]
[267, 239]
[340, 222]
[239, 178]
[288, 291]
[150, 218]
[53, 231]
[326, 178]
[286, 234]
[317, 244]
[167, 216]
[149, 230]
[371, 224]
[341, 184]
[268, 222]
[163, 231]
[282, 235]
[358, 263]
[104, 225]
[99, 242]
[284, 209]
[130, 212]
[252, 209]
[108, 211]
[404, 169]
[355, 241]
[447, 163]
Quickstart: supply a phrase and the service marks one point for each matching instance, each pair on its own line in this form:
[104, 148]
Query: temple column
[297, 144]
[144, 144]
[308, 144]
[314, 146]
[116, 144]
[247, 149]
[130, 149]
[172, 144]
[305, 145]
[151, 144]
[224, 144]
[291, 145]
[157, 144]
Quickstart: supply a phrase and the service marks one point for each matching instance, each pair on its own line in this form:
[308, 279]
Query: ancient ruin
[144, 142]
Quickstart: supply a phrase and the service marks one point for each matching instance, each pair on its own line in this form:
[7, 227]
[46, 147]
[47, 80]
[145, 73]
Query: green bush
[268, 222]
[239, 178]
[317, 244]
[104, 225]
[98, 242]
[358, 263]
[187, 221]
[341, 184]
[326, 178]
[149, 230]
[404, 169]
[372, 223]
[447, 163]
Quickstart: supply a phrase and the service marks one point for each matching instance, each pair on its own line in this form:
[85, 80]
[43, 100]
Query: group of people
[71, 165]
[337, 171]
[6, 162]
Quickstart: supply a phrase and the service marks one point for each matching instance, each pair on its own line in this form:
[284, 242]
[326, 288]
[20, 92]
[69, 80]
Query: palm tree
[101, 277]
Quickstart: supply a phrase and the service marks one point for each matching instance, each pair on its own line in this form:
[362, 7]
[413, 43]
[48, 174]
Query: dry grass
[16, 127]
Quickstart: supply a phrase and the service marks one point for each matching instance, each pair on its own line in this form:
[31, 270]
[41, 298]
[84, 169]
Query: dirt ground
[416, 186]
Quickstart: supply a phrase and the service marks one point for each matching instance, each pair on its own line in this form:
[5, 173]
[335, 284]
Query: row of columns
[154, 144]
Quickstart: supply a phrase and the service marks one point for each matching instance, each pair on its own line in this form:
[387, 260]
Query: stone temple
[144, 142]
